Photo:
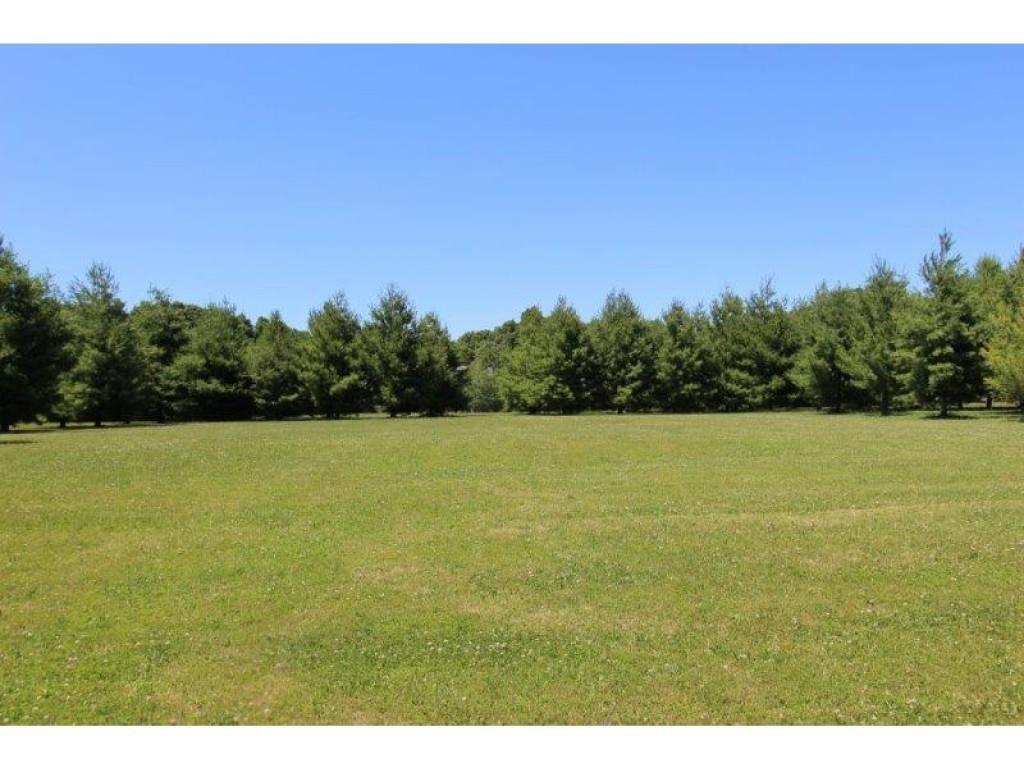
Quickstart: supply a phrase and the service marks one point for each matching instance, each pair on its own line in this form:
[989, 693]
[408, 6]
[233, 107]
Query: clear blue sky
[485, 179]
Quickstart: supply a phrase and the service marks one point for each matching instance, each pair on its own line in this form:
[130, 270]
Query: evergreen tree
[439, 381]
[774, 343]
[552, 367]
[526, 380]
[331, 370]
[209, 378]
[883, 350]
[106, 381]
[948, 339]
[1006, 348]
[829, 364]
[755, 347]
[990, 285]
[273, 361]
[688, 371]
[625, 356]
[32, 342]
[389, 353]
[162, 326]
[732, 355]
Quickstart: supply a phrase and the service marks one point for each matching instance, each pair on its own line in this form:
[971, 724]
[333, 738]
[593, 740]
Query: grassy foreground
[769, 568]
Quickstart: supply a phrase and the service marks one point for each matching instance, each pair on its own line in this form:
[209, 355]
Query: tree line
[83, 356]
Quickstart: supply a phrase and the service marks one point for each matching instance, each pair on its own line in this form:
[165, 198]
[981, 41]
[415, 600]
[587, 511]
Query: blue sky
[485, 179]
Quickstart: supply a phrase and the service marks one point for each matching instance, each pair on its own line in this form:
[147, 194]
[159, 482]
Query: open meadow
[749, 568]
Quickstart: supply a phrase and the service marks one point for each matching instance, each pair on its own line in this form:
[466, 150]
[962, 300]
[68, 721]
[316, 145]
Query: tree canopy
[882, 345]
[33, 339]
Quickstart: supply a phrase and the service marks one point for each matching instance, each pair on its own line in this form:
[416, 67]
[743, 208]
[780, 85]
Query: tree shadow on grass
[1012, 414]
[48, 429]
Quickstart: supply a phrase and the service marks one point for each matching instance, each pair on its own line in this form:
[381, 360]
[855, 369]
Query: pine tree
[774, 343]
[526, 379]
[829, 364]
[209, 378]
[331, 362]
[106, 380]
[730, 333]
[33, 338]
[273, 366]
[389, 353]
[552, 366]
[884, 352]
[439, 382]
[1006, 349]
[162, 326]
[688, 372]
[625, 355]
[948, 340]
[990, 285]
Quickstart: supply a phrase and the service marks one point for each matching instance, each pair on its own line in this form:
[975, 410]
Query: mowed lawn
[761, 568]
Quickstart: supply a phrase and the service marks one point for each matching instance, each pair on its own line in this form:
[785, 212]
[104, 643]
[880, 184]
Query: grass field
[766, 568]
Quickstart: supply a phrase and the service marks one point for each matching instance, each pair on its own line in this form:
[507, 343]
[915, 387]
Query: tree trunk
[62, 423]
[988, 402]
[5, 427]
[97, 423]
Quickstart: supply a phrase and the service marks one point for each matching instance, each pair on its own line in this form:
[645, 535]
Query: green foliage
[830, 366]
[162, 326]
[209, 379]
[273, 362]
[773, 344]
[731, 355]
[625, 355]
[439, 380]
[482, 355]
[331, 369]
[32, 342]
[885, 306]
[868, 347]
[483, 387]
[552, 366]
[947, 338]
[688, 371]
[106, 382]
[390, 353]
[755, 345]
[1006, 348]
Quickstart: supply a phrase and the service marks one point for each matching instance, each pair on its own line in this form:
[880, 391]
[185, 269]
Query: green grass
[767, 568]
